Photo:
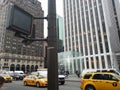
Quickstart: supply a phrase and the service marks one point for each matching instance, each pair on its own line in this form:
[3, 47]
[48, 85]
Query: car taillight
[81, 81]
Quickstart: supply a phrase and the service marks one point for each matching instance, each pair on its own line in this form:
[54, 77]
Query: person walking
[77, 73]
[67, 73]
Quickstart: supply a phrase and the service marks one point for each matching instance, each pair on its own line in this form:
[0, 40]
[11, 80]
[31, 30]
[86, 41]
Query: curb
[73, 80]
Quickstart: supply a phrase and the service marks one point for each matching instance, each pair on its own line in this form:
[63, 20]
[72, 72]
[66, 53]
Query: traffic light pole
[51, 40]
[52, 47]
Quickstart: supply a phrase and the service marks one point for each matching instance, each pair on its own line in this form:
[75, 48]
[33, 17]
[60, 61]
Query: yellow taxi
[7, 77]
[38, 81]
[100, 81]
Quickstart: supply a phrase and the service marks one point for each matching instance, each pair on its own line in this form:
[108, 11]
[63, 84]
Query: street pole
[52, 47]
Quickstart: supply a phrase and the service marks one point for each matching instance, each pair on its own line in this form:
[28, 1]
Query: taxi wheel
[62, 82]
[89, 87]
[25, 83]
[37, 84]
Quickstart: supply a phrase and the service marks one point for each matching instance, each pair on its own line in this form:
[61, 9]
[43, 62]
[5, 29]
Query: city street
[18, 85]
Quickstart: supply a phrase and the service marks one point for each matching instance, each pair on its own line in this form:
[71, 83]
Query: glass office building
[92, 28]
[60, 33]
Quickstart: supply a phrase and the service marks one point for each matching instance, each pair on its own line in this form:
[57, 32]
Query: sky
[59, 5]
[59, 11]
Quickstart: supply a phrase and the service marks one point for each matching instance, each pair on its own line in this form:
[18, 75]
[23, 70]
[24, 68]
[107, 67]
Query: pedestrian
[67, 73]
[2, 80]
[77, 73]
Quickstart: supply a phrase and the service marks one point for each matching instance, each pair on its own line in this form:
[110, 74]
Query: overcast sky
[59, 5]
[59, 9]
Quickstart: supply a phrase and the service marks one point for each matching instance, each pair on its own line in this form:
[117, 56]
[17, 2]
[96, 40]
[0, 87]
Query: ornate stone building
[14, 55]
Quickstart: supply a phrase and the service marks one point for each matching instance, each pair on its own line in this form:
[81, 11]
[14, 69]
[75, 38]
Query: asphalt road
[18, 85]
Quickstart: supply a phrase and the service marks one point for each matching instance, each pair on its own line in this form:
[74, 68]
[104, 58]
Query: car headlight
[42, 80]
[11, 78]
[5, 78]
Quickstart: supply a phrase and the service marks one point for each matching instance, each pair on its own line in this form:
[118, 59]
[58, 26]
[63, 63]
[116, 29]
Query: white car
[61, 79]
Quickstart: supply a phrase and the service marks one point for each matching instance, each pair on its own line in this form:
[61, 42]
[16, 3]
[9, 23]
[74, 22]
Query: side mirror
[116, 80]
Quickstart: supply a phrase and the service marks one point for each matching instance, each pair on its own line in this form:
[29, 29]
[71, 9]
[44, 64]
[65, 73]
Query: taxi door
[118, 85]
[98, 82]
[28, 80]
[31, 80]
[111, 83]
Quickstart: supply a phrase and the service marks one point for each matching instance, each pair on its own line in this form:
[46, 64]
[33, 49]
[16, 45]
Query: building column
[73, 69]
[100, 62]
[76, 63]
[85, 64]
[68, 63]
[95, 63]
[90, 66]
[81, 68]
[66, 67]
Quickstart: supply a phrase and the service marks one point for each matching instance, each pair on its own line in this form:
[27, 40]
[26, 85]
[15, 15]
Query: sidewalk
[72, 78]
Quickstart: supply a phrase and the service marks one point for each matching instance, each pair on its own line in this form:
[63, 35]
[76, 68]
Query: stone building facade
[14, 55]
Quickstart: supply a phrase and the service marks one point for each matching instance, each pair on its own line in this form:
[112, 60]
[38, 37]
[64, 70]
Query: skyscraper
[14, 55]
[92, 28]
[60, 34]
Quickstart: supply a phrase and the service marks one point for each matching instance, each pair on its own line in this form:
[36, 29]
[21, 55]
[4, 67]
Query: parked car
[7, 77]
[61, 79]
[17, 75]
[100, 81]
[33, 80]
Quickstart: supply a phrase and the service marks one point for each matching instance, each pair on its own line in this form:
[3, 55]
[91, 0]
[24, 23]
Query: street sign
[19, 20]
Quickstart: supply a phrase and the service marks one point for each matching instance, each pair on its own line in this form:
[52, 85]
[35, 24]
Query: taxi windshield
[116, 75]
[41, 76]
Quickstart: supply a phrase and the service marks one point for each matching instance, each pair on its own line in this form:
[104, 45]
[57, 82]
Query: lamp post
[52, 47]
